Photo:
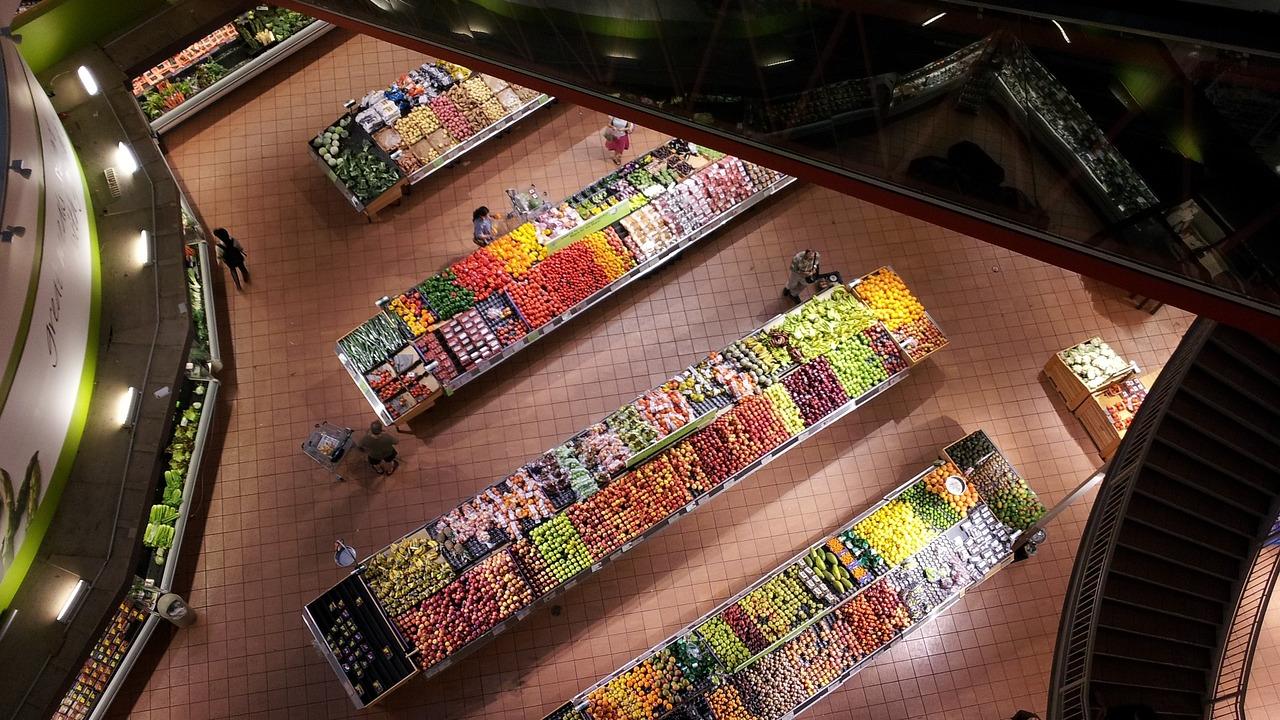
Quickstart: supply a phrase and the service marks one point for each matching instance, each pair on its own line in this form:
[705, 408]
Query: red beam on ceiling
[1111, 271]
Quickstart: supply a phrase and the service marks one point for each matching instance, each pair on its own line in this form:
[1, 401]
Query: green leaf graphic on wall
[19, 507]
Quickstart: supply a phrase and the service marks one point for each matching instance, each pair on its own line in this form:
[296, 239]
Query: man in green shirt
[381, 447]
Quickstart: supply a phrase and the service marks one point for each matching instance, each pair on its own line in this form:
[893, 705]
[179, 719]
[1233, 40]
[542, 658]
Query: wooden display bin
[1093, 415]
[1069, 385]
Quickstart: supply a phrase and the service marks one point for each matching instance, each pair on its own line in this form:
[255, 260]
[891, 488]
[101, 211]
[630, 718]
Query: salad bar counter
[451, 328]
[799, 632]
[428, 118]
[449, 586]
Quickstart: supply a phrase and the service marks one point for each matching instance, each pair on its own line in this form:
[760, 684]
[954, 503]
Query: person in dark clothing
[482, 226]
[381, 447]
[233, 254]
[1025, 715]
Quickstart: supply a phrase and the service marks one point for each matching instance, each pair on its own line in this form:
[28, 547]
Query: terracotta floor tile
[317, 269]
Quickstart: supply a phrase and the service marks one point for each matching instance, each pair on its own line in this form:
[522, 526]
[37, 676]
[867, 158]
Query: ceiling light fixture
[87, 79]
[1061, 30]
[126, 405]
[933, 19]
[142, 250]
[72, 602]
[776, 63]
[125, 158]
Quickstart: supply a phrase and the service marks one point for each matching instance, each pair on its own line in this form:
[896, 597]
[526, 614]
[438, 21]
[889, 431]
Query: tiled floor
[272, 515]
[1263, 697]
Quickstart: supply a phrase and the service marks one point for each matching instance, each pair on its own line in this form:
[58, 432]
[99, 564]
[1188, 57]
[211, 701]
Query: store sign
[47, 272]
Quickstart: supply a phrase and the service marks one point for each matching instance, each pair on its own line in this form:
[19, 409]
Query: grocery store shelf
[666, 255]
[317, 642]
[580, 698]
[240, 76]
[403, 652]
[892, 354]
[210, 306]
[341, 186]
[457, 151]
[189, 485]
[694, 504]
[385, 625]
[121, 674]
[956, 531]
[165, 582]
[924, 620]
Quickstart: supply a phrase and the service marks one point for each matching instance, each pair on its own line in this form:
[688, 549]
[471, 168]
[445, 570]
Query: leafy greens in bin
[163, 515]
[160, 531]
[364, 173]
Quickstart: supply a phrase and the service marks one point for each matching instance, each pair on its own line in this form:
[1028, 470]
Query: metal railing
[1241, 637]
[1069, 683]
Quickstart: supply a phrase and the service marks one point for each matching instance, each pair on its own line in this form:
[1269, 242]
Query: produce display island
[429, 117]
[802, 630]
[448, 586]
[434, 338]
[180, 86]
[1100, 388]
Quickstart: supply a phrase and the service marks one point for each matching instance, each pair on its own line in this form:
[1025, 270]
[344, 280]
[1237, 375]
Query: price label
[596, 567]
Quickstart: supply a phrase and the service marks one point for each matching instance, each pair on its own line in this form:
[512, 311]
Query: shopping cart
[327, 445]
[524, 203]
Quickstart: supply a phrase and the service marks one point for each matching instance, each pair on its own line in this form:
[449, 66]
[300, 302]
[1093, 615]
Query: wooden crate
[1093, 415]
[1069, 385]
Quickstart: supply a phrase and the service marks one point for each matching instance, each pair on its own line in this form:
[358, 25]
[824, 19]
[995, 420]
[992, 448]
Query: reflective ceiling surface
[1156, 153]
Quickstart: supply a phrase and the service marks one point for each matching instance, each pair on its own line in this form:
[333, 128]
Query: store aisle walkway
[317, 269]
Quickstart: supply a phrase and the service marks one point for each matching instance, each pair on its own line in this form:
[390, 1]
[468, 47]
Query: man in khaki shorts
[381, 447]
